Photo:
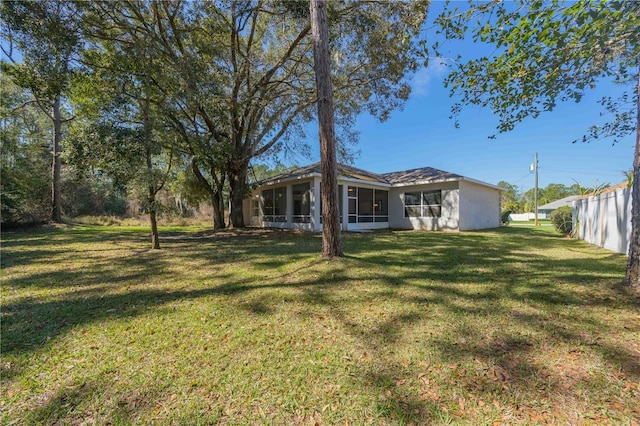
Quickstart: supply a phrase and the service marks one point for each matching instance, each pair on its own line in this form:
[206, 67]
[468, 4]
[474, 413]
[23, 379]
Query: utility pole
[535, 167]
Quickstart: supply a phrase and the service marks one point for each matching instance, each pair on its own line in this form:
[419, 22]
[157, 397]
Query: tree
[268, 79]
[331, 242]
[25, 165]
[122, 130]
[175, 36]
[553, 192]
[47, 38]
[509, 199]
[238, 78]
[549, 52]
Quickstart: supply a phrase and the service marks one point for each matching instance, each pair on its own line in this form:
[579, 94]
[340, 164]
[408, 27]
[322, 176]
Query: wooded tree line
[141, 92]
[516, 200]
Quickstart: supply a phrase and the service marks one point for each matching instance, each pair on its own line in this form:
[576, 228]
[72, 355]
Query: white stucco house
[425, 198]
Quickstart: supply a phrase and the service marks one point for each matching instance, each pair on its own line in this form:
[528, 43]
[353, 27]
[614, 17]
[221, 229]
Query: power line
[583, 170]
[581, 156]
[522, 178]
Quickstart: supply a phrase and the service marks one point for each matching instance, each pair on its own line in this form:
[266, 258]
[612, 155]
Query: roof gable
[421, 175]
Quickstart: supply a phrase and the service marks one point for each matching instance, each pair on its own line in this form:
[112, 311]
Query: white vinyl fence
[522, 216]
[605, 220]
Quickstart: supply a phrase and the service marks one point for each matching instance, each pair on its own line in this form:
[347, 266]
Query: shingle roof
[566, 201]
[422, 175]
[401, 178]
[314, 169]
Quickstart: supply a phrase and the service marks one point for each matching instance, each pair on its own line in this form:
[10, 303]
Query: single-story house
[424, 198]
[545, 210]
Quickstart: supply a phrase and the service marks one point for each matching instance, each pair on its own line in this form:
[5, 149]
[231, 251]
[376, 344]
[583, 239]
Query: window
[423, 204]
[275, 203]
[301, 203]
[365, 205]
[368, 205]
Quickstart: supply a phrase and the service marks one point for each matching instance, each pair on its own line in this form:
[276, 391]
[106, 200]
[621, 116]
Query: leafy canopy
[546, 52]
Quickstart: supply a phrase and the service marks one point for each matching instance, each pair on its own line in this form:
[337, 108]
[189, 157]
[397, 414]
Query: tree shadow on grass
[540, 281]
[423, 270]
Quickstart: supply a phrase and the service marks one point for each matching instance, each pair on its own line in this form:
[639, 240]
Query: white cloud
[422, 78]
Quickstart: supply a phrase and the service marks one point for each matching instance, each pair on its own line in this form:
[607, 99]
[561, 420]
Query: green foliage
[92, 195]
[509, 199]
[46, 35]
[562, 219]
[25, 159]
[259, 172]
[520, 202]
[547, 52]
[236, 80]
[628, 176]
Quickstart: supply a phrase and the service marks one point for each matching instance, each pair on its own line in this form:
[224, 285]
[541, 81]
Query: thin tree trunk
[151, 200]
[217, 200]
[155, 238]
[56, 166]
[152, 187]
[331, 241]
[632, 277]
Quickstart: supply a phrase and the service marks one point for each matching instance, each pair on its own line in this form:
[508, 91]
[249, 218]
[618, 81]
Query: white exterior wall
[246, 209]
[605, 220]
[450, 208]
[479, 206]
[315, 205]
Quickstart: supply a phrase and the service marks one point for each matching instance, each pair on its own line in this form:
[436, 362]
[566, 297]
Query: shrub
[504, 217]
[562, 220]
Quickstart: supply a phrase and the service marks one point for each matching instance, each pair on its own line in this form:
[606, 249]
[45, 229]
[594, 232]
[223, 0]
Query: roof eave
[363, 181]
[451, 179]
[278, 181]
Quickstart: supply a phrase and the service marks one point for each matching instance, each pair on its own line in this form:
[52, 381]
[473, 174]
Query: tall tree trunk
[56, 166]
[237, 172]
[331, 241]
[632, 277]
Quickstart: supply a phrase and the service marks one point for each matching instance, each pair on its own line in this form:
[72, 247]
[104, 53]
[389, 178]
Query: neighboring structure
[605, 219]
[544, 211]
[424, 198]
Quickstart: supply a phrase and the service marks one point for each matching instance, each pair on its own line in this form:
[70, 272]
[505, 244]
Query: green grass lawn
[508, 326]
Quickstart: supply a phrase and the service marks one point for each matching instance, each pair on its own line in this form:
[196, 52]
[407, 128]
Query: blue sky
[423, 135]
